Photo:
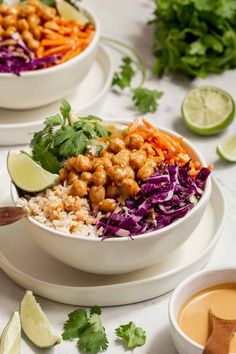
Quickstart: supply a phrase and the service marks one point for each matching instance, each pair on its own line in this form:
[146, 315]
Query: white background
[127, 21]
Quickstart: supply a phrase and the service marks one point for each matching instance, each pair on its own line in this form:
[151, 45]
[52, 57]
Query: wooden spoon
[10, 214]
[221, 335]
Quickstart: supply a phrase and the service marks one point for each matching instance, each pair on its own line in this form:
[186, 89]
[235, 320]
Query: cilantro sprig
[61, 138]
[145, 100]
[87, 329]
[132, 335]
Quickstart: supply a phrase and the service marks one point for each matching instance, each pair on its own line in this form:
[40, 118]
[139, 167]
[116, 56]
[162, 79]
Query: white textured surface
[126, 20]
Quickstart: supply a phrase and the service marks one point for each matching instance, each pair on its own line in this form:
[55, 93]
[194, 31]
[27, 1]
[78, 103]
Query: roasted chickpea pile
[43, 30]
[29, 19]
[112, 176]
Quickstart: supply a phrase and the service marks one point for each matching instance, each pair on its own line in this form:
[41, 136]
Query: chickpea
[26, 35]
[72, 176]
[145, 172]
[82, 164]
[22, 25]
[33, 20]
[9, 20]
[130, 172]
[151, 163]
[33, 44]
[36, 32]
[117, 174]
[107, 205]
[134, 141]
[71, 162]
[27, 10]
[47, 13]
[103, 161]
[97, 194]
[116, 145]
[86, 177]
[3, 9]
[129, 187]
[13, 10]
[99, 178]
[1, 20]
[64, 174]
[1, 31]
[137, 159]
[80, 188]
[122, 158]
[10, 31]
[112, 191]
[52, 26]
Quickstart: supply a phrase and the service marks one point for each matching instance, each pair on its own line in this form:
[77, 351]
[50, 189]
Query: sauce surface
[194, 316]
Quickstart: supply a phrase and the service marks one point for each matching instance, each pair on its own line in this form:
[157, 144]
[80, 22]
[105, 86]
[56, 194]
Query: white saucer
[29, 266]
[16, 127]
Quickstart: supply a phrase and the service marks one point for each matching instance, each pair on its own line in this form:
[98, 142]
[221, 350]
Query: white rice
[59, 210]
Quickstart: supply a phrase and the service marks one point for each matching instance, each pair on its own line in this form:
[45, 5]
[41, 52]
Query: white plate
[29, 266]
[16, 127]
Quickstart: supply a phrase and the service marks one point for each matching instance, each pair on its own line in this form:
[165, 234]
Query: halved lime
[27, 174]
[227, 149]
[11, 336]
[35, 323]
[208, 110]
[70, 13]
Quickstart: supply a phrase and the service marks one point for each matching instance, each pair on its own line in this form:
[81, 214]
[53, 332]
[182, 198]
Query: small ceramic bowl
[121, 254]
[190, 286]
[38, 88]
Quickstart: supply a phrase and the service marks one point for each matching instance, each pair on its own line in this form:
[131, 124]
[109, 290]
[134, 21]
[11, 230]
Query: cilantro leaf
[132, 335]
[75, 325]
[94, 338]
[124, 77]
[146, 100]
[101, 131]
[65, 109]
[74, 144]
[54, 120]
[42, 155]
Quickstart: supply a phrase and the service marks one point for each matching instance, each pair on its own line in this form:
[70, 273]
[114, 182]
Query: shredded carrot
[65, 38]
[166, 147]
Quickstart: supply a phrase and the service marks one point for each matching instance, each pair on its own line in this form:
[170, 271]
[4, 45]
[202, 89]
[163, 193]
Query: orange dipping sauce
[194, 317]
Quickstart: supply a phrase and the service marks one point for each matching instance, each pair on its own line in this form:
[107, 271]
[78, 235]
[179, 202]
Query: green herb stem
[139, 61]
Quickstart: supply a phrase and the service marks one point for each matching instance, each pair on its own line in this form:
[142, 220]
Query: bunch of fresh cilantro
[90, 334]
[194, 37]
[61, 138]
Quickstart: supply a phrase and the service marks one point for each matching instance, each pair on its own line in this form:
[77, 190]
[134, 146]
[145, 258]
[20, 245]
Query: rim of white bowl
[77, 58]
[156, 233]
[180, 287]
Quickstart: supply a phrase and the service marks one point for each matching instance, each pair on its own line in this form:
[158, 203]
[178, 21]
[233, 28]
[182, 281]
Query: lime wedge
[11, 336]
[35, 323]
[208, 110]
[70, 13]
[227, 149]
[27, 174]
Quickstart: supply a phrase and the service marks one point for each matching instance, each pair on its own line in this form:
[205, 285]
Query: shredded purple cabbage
[15, 57]
[169, 194]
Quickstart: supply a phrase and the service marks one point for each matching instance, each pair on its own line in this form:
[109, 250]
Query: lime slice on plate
[70, 13]
[27, 174]
[11, 336]
[227, 149]
[208, 110]
[35, 323]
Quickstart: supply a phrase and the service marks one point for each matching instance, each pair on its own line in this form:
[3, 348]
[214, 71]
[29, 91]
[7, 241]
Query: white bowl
[40, 87]
[190, 286]
[120, 255]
